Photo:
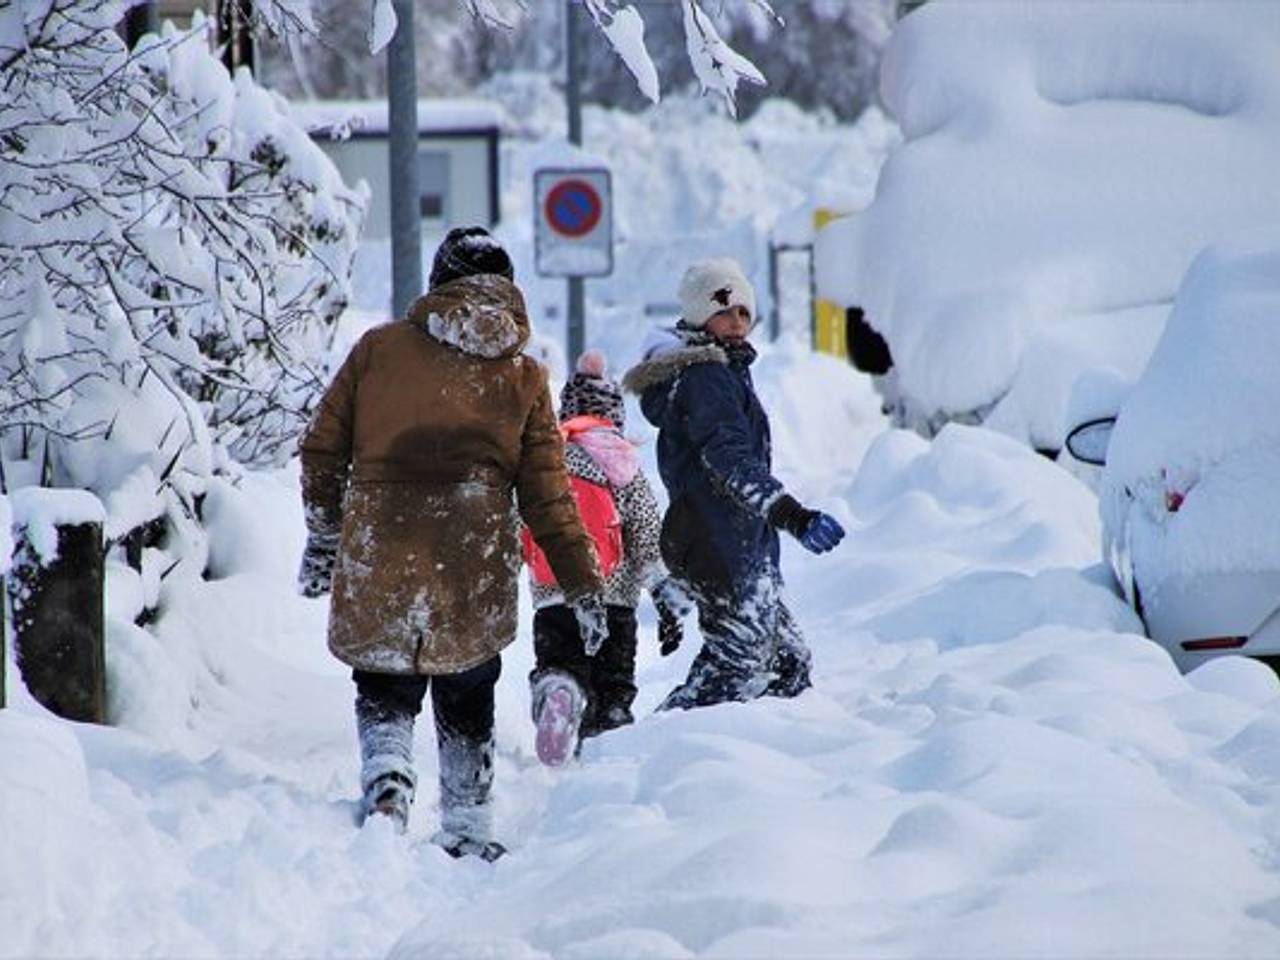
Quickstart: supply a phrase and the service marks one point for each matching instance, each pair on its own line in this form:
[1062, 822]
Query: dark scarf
[741, 353]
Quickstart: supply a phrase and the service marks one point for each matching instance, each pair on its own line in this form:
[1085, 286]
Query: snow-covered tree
[823, 52]
[174, 252]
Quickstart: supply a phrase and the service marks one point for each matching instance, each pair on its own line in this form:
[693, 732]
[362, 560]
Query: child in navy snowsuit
[578, 692]
[719, 534]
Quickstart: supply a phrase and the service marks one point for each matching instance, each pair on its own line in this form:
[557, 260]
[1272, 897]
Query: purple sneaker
[558, 719]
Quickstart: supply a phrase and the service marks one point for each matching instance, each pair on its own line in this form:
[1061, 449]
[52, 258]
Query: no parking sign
[573, 219]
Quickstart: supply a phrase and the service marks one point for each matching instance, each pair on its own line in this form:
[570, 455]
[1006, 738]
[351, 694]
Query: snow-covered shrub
[1058, 174]
[174, 253]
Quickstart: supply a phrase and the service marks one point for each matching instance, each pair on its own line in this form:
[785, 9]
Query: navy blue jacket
[714, 456]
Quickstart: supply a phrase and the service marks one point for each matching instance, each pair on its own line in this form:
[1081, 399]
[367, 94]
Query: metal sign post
[573, 235]
[402, 123]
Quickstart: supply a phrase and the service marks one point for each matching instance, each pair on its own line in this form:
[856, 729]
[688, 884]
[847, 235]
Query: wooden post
[4, 658]
[58, 622]
[6, 548]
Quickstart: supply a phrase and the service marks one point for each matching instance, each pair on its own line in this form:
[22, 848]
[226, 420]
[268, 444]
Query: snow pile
[39, 511]
[991, 764]
[1058, 175]
[986, 768]
[1201, 422]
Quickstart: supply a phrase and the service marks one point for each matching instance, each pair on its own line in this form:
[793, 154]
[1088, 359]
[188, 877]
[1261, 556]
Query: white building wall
[466, 159]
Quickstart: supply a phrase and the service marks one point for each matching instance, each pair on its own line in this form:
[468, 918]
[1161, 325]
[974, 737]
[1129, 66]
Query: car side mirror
[1088, 441]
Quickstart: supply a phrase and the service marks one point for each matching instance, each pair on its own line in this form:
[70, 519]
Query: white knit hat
[710, 286]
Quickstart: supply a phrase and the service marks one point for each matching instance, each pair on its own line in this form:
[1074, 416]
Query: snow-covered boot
[387, 778]
[792, 660]
[465, 739]
[390, 796]
[558, 703]
[466, 830]
[459, 847]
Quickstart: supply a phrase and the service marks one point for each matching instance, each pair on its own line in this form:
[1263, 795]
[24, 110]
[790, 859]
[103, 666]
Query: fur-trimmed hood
[665, 354]
[482, 315]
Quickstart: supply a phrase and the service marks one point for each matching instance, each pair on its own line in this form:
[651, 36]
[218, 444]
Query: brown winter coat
[415, 452]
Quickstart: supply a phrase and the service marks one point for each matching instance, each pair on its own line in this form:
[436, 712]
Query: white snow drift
[1062, 165]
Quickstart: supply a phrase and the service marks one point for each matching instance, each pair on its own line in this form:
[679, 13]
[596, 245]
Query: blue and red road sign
[573, 221]
[573, 208]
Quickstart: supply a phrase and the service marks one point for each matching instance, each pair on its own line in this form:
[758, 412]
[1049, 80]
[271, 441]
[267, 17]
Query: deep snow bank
[990, 764]
[1060, 170]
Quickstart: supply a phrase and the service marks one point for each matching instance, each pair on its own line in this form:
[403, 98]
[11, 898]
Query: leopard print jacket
[641, 565]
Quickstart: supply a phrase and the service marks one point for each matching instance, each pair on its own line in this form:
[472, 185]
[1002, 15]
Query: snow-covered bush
[174, 253]
[1059, 173]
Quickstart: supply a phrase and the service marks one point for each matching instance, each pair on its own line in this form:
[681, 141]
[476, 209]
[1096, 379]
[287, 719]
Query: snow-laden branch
[717, 66]
[173, 249]
[624, 29]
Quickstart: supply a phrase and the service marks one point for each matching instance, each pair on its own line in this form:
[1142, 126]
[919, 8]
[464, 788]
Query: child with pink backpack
[579, 692]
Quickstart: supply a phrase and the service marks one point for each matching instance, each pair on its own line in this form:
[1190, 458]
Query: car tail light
[1215, 643]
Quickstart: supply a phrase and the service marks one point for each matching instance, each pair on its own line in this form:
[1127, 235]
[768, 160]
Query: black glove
[670, 634]
[315, 576]
[817, 532]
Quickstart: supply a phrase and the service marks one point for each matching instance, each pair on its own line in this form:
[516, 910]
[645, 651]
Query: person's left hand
[593, 622]
[672, 598]
[315, 574]
[822, 534]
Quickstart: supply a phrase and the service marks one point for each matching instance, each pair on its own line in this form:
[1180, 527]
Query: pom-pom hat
[709, 286]
[590, 392]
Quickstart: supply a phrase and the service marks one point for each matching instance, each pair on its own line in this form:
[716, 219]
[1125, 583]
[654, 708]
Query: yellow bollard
[830, 331]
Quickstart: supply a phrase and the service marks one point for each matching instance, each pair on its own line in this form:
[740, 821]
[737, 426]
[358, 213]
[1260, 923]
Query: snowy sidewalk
[989, 765]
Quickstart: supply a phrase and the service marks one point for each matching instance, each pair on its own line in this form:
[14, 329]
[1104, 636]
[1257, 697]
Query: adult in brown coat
[432, 434]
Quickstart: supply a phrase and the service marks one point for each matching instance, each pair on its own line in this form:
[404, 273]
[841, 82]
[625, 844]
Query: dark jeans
[462, 703]
[608, 679]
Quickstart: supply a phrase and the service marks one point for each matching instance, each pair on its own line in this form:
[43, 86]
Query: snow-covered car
[1190, 483]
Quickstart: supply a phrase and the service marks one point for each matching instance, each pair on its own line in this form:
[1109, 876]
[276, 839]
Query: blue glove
[823, 533]
[817, 532]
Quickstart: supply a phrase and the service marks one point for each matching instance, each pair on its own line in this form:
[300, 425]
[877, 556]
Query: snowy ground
[991, 763]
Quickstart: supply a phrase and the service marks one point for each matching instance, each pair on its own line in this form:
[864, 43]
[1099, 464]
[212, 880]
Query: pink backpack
[599, 515]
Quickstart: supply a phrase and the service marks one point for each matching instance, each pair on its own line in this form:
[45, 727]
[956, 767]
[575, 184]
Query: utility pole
[406, 198]
[576, 331]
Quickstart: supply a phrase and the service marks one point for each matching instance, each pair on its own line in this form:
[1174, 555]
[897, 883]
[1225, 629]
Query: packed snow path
[991, 763]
